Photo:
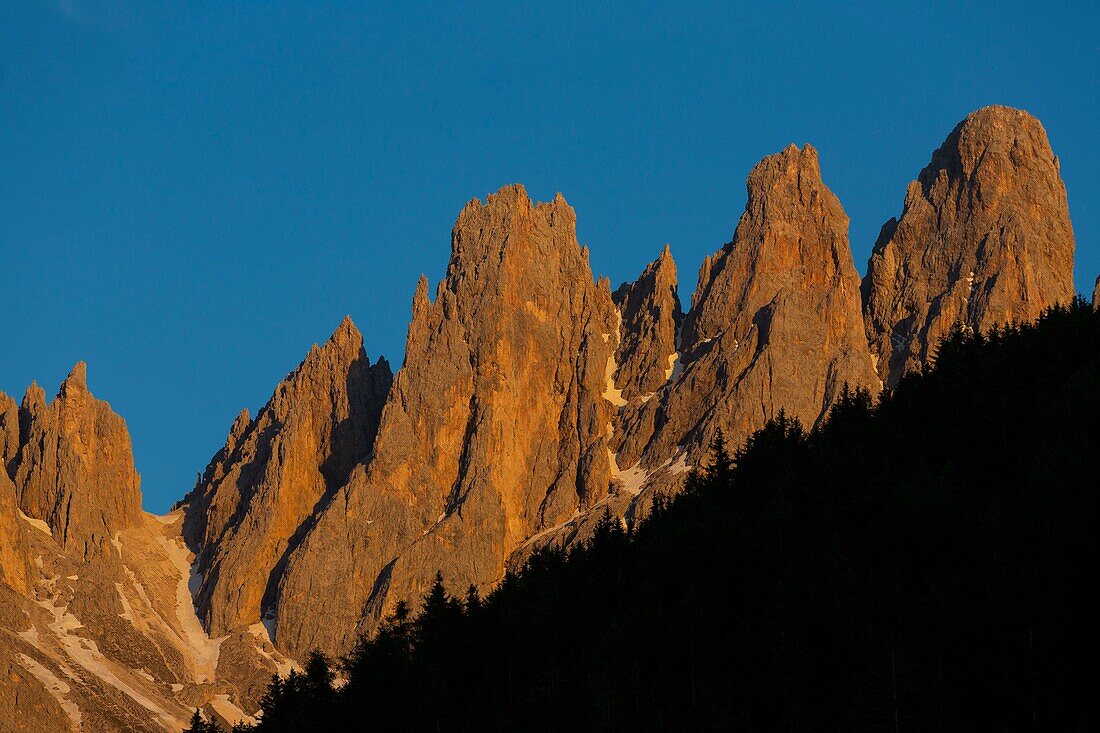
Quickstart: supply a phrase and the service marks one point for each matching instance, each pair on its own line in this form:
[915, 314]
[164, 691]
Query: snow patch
[38, 524]
[202, 651]
[229, 711]
[56, 687]
[170, 518]
[680, 465]
[85, 652]
[633, 478]
[262, 632]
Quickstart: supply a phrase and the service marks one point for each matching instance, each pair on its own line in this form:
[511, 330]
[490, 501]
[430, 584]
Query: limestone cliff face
[1096, 293]
[651, 318]
[256, 497]
[984, 238]
[496, 427]
[75, 468]
[9, 431]
[14, 558]
[775, 322]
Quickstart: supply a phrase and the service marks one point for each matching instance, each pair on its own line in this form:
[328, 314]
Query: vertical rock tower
[984, 238]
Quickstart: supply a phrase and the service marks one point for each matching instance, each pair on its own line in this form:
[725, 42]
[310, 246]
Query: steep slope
[496, 427]
[258, 494]
[984, 238]
[774, 324]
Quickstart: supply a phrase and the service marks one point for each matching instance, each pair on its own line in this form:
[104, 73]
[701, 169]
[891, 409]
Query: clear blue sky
[191, 194]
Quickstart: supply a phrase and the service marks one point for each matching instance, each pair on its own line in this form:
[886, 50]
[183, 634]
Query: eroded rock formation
[259, 493]
[496, 427]
[651, 318]
[774, 324]
[984, 238]
[75, 467]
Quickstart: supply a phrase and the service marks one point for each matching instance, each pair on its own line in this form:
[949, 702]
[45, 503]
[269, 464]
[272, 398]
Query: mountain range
[533, 401]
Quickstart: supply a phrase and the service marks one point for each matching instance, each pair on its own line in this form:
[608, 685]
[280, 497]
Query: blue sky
[191, 194]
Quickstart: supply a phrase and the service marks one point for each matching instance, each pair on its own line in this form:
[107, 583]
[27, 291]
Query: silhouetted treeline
[922, 562]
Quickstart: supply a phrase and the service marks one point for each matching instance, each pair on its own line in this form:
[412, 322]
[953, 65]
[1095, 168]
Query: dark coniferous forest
[920, 563]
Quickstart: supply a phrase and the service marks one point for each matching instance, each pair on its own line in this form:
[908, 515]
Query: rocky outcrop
[496, 428]
[774, 324]
[9, 433]
[259, 493]
[1096, 293]
[14, 558]
[75, 468]
[651, 317]
[984, 238]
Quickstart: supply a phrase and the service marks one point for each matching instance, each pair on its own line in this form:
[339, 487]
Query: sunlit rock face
[984, 238]
[774, 324]
[651, 320]
[75, 468]
[496, 427]
[260, 492]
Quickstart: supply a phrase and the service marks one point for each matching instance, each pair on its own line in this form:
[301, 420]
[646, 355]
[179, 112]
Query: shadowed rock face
[651, 318]
[75, 467]
[258, 494]
[984, 238]
[496, 427]
[775, 322]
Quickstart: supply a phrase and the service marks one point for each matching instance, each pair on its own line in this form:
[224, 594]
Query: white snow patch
[680, 465]
[203, 651]
[56, 687]
[633, 478]
[117, 542]
[170, 518]
[611, 393]
[262, 632]
[31, 637]
[85, 652]
[229, 711]
[38, 524]
[127, 612]
[675, 367]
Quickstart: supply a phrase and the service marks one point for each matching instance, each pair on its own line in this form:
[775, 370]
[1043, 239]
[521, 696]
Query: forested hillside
[921, 562]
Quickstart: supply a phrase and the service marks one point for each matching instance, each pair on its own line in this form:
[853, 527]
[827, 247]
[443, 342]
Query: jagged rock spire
[75, 468]
[274, 472]
[651, 317]
[775, 321]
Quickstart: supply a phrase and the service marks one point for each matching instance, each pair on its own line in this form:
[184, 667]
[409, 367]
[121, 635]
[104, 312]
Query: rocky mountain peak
[75, 467]
[650, 311]
[984, 238]
[252, 502]
[775, 322]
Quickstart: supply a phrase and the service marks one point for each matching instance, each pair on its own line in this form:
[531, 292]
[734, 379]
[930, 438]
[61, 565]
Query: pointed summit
[984, 238]
[75, 469]
[77, 381]
[497, 420]
[274, 471]
[651, 316]
[775, 321]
